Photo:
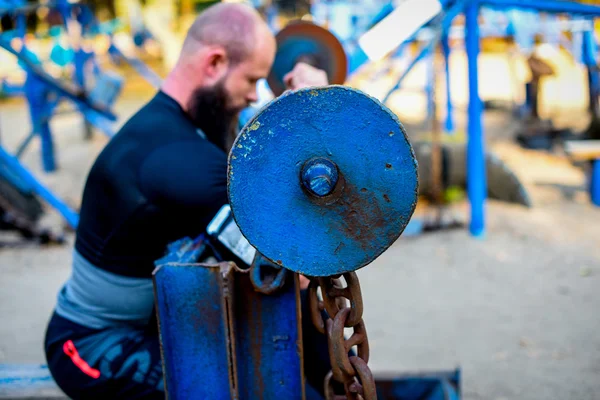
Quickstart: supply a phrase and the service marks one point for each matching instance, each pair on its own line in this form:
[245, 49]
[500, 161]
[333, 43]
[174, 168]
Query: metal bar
[193, 306]
[589, 58]
[449, 125]
[73, 92]
[554, 6]
[23, 146]
[268, 341]
[595, 183]
[148, 74]
[476, 174]
[443, 26]
[98, 121]
[15, 167]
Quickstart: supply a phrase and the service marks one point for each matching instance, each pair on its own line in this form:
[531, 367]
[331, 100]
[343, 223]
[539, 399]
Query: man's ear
[217, 63]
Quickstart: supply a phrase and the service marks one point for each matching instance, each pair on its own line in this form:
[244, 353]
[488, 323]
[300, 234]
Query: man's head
[226, 51]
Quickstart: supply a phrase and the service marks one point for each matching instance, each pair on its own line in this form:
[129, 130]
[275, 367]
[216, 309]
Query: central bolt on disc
[319, 176]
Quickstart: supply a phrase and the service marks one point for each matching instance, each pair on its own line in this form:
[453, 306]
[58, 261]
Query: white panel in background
[397, 27]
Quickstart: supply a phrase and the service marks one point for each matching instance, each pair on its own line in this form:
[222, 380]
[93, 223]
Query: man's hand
[304, 282]
[304, 75]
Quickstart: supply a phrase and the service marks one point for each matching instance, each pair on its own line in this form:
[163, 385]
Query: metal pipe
[443, 26]
[595, 183]
[476, 175]
[553, 6]
[449, 126]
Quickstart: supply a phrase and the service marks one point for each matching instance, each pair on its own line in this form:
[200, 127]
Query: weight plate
[375, 195]
[302, 40]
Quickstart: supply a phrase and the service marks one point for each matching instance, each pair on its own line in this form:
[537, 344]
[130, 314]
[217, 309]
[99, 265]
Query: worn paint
[362, 137]
[268, 360]
[195, 333]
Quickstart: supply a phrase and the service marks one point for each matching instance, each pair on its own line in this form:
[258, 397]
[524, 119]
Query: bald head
[236, 27]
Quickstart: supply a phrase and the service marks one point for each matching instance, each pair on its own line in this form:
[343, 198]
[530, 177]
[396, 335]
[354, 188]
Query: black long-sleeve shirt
[158, 180]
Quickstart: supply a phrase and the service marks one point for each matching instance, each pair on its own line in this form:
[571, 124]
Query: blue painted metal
[241, 342]
[30, 181]
[36, 93]
[371, 204]
[319, 176]
[449, 125]
[441, 24]
[551, 6]
[27, 380]
[140, 67]
[476, 173]
[193, 305]
[590, 51]
[595, 183]
[423, 386]
[268, 341]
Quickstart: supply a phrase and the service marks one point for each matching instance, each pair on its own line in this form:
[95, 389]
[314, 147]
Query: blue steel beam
[193, 305]
[476, 174]
[216, 328]
[595, 183]
[442, 26]
[268, 341]
[73, 92]
[449, 126]
[550, 6]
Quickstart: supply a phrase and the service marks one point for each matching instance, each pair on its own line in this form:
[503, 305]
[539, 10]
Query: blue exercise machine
[235, 321]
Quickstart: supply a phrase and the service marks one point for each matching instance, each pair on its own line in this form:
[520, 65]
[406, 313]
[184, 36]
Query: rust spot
[388, 166]
[361, 217]
[364, 190]
[391, 134]
[279, 262]
[387, 198]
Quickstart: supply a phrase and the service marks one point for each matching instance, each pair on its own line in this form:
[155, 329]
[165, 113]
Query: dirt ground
[517, 310]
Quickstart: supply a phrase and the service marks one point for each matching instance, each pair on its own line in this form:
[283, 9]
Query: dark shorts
[125, 363]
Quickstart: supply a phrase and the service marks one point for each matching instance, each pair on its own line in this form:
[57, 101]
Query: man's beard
[209, 110]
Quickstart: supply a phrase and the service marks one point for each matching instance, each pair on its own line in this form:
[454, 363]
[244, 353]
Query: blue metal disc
[355, 155]
[308, 42]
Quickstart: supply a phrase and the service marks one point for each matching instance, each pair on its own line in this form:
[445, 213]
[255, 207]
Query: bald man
[161, 178]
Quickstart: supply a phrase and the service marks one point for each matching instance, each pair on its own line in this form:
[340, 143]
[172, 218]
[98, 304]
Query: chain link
[352, 371]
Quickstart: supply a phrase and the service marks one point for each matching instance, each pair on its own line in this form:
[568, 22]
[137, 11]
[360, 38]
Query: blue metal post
[449, 126]
[589, 58]
[195, 332]
[595, 183]
[551, 6]
[268, 341]
[35, 91]
[222, 339]
[476, 174]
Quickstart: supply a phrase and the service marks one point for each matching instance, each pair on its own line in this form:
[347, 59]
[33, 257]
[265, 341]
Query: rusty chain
[352, 371]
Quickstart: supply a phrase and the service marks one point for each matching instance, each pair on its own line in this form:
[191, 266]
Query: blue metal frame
[446, 49]
[216, 328]
[595, 183]
[37, 84]
[476, 170]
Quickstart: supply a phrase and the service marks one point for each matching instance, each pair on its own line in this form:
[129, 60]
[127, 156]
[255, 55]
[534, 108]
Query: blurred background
[509, 295]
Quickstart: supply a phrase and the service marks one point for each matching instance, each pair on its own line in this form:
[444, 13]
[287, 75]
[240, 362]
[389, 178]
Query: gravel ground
[517, 310]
